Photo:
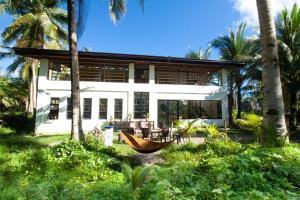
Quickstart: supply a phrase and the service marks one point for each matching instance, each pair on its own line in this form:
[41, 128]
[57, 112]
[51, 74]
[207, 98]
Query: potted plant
[129, 117]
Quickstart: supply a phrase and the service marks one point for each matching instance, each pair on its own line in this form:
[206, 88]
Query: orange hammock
[143, 146]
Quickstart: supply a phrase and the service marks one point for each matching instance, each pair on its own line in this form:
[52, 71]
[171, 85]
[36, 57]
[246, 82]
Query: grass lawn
[217, 169]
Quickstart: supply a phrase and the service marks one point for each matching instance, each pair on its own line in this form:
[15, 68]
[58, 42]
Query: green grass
[217, 169]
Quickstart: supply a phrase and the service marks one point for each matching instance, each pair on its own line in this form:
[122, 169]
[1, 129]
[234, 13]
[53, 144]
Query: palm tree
[273, 107]
[36, 24]
[199, 55]
[235, 47]
[288, 34]
[116, 10]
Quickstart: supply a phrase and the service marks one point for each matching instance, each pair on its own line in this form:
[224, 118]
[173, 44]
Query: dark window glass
[54, 108]
[69, 108]
[102, 108]
[141, 105]
[87, 108]
[118, 108]
[216, 110]
[141, 74]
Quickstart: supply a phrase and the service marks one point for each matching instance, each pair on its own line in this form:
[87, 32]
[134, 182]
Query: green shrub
[212, 132]
[6, 131]
[22, 123]
[271, 137]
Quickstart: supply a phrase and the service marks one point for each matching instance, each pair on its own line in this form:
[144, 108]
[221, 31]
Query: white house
[122, 86]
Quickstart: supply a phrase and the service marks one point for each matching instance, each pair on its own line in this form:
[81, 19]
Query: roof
[117, 58]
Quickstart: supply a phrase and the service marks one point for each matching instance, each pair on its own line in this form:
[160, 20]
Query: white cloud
[248, 10]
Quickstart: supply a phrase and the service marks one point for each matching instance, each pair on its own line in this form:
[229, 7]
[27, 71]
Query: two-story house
[123, 87]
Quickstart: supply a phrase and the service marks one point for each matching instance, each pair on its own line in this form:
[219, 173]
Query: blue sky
[166, 27]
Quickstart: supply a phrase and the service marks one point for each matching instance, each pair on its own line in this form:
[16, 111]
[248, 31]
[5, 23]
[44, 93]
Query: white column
[151, 74]
[131, 73]
[110, 108]
[153, 107]
[95, 108]
[130, 103]
[41, 95]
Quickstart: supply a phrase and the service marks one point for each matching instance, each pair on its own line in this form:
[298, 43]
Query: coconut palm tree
[116, 9]
[35, 24]
[273, 107]
[235, 47]
[200, 54]
[288, 34]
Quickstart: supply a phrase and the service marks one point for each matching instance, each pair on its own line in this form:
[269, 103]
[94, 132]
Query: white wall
[111, 91]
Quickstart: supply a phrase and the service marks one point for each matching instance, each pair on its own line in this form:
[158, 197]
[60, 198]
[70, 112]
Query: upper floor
[132, 69]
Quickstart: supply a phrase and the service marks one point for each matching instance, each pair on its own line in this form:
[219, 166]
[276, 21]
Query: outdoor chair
[145, 132]
[164, 134]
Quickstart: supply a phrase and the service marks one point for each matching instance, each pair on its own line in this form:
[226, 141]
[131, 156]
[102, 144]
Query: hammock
[141, 145]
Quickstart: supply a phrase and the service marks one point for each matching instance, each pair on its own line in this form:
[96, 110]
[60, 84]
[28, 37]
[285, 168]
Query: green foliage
[19, 122]
[136, 177]
[271, 137]
[187, 128]
[212, 132]
[6, 131]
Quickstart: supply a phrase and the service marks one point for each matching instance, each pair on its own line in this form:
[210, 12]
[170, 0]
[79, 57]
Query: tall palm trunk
[273, 107]
[30, 105]
[239, 101]
[76, 130]
[230, 106]
[293, 110]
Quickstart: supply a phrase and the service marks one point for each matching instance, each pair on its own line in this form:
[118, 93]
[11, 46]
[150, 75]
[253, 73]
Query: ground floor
[54, 108]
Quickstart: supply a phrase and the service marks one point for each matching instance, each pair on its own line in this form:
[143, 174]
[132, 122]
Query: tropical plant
[288, 34]
[135, 177]
[116, 10]
[212, 132]
[235, 47]
[13, 94]
[187, 128]
[35, 24]
[273, 107]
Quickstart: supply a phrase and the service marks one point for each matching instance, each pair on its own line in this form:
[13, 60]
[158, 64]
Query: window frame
[141, 112]
[106, 106]
[115, 110]
[85, 106]
[55, 104]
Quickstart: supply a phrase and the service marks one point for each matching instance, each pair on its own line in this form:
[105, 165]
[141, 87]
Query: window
[102, 108]
[54, 108]
[69, 108]
[118, 108]
[211, 109]
[141, 105]
[87, 108]
[59, 72]
[141, 74]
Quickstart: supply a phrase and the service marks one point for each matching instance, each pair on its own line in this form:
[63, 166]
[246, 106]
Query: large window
[188, 76]
[141, 74]
[87, 108]
[69, 108]
[141, 105]
[54, 108]
[102, 108]
[170, 111]
[118, 108]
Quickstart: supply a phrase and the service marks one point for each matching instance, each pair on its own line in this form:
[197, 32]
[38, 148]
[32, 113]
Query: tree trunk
[30, 105]
[239, 102]
[273, 107]
[293, 110]
[34, 89]
[76, 129]
[230, 107]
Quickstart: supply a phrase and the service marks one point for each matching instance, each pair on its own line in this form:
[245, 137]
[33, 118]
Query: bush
[6, 131]
[21, 123]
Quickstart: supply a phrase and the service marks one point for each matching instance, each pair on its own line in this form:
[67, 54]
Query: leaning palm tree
[116, 10]
[35, 24]
[273, 107]
[288, 34]
[235, 47]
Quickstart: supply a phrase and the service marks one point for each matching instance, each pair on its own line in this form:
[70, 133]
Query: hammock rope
[143, 146]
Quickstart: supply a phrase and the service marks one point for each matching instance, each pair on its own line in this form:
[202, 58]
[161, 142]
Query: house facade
[122, 87]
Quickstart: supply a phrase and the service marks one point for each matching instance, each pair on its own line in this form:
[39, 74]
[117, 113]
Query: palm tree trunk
[239, 102]
[293, 110]
[230, 107]
[30, 106]
[34, 89]
[273, 106]
[76, 130]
